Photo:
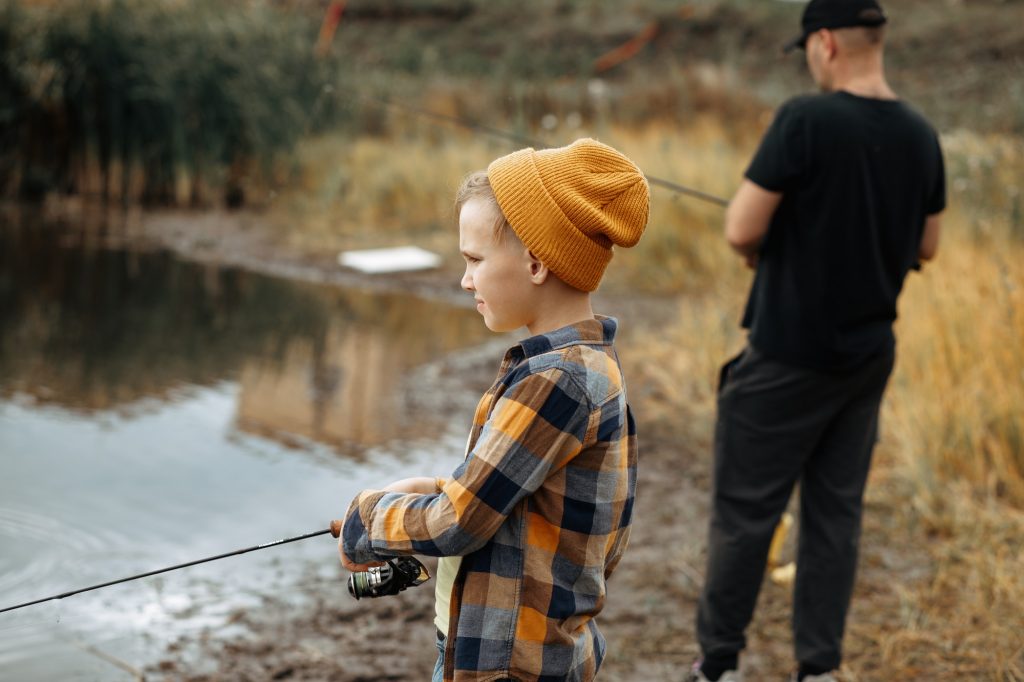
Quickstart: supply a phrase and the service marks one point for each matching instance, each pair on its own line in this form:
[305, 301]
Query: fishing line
[522, 139]
[333, 530]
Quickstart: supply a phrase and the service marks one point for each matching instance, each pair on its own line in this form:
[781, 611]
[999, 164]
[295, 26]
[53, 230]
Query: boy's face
[499, 273]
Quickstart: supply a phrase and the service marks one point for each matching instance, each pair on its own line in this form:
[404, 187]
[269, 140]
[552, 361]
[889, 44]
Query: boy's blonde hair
[477, 185]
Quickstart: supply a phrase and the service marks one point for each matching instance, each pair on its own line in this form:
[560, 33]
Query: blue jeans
[439, 666]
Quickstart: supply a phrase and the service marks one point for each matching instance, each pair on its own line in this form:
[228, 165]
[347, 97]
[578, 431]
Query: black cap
[821, 14]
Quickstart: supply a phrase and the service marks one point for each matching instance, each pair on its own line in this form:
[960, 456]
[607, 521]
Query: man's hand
[930, 237]
[747, 219]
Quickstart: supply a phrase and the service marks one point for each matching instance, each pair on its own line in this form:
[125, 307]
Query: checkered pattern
[539, 510]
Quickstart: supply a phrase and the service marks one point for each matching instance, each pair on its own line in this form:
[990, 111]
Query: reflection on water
[148, 405]
[348, 383]
[94, 329]
[339, 389]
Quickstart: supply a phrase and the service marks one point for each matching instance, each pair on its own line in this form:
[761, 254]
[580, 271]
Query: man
[841, 199]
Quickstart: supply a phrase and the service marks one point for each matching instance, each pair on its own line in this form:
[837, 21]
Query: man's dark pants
[778, 425]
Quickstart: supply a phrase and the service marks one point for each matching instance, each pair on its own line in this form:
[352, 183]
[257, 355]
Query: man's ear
[538, 271]
[828, 43]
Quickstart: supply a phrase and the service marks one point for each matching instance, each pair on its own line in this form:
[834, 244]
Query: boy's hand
[351, 565]
[421, 485]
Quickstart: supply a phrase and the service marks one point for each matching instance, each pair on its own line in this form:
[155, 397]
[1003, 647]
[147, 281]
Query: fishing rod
[522, 139]
[335, 530]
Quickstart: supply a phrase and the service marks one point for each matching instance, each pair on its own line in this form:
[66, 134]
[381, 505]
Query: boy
[536, 518]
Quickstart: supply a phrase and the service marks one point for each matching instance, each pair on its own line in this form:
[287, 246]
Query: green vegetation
[185, 102]
[142, 98]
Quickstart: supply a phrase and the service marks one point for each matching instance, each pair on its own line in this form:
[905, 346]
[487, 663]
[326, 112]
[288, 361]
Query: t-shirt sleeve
[937, 197]
[781, 159]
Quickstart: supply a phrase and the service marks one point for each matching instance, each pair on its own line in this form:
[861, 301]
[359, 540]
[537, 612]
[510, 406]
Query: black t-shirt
[858, 177]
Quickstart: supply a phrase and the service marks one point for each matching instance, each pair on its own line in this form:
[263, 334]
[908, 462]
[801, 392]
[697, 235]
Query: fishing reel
[391, 578]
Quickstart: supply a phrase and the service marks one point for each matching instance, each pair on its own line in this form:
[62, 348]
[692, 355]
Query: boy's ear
[538, 271]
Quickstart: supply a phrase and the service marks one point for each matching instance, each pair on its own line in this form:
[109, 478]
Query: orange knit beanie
[570, 205]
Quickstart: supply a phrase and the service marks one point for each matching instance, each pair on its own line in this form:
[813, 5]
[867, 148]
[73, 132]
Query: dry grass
[957, 398]
[376, 191]
[951, 464]
[953, 418]
[365, 191]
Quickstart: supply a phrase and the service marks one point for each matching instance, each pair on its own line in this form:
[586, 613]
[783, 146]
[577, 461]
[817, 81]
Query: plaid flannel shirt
[539, 510]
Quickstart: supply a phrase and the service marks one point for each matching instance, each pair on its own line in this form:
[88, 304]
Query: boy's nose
[467, 281]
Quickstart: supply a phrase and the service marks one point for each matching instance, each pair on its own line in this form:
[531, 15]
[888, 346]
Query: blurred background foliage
[144, 96]
[185, 102]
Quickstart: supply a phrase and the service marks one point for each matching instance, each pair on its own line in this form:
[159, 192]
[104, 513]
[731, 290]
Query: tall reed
[152, 99]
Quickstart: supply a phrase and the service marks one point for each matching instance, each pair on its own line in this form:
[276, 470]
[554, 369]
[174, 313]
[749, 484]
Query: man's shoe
[697, 676]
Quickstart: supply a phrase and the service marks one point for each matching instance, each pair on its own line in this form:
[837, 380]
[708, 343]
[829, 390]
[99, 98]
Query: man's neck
[871, 88]
[864, 79]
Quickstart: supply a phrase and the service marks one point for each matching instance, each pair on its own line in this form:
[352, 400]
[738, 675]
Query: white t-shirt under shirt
[447, 569]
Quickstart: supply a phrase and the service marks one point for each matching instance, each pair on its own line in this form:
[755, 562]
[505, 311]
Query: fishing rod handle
[336, 525]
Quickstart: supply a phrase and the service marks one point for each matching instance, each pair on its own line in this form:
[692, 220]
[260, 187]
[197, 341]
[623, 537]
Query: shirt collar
[596, 332]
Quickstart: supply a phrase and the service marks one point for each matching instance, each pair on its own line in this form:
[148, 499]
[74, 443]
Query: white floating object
[397, 259]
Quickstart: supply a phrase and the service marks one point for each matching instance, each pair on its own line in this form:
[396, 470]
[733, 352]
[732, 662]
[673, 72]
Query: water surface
[154, 411]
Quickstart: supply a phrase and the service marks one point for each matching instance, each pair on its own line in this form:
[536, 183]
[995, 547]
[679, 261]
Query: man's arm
[930, 237]
[747, 219]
